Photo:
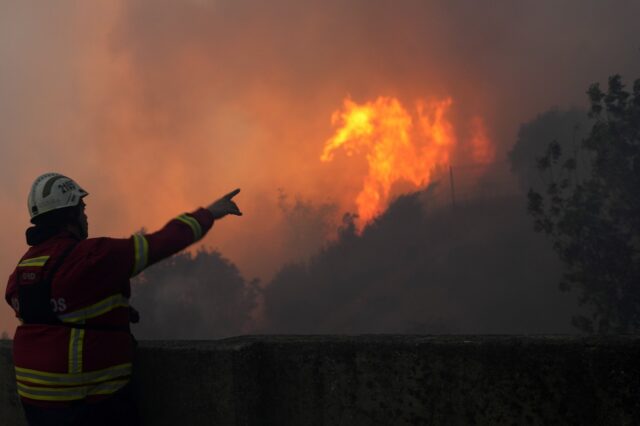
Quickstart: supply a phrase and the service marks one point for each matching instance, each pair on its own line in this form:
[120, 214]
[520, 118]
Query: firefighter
[73, 350]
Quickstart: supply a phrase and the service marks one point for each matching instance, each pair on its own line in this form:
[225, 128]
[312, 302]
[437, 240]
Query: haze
[156, 108]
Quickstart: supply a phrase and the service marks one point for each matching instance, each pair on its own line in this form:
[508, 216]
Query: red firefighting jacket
[90, 288]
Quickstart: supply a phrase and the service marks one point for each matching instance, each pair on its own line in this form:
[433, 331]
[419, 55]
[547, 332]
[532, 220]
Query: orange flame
[396, 149]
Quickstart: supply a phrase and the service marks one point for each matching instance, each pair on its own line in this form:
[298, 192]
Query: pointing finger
[231, 194]
[234, 209]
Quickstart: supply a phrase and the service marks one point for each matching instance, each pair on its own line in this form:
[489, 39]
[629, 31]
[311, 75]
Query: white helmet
[53, 191]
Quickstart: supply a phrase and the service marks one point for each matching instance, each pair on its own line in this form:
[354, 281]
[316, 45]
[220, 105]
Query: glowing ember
[397, 149]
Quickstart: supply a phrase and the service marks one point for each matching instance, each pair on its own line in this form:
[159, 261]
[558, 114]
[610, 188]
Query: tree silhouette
[199, 296]
[566, 127]
[591, 210]
[422, 268]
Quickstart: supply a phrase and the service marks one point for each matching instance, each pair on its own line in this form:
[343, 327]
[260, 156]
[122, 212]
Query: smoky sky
[159, 107]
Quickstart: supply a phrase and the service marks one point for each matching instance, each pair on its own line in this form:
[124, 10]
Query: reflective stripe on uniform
[69, 393]
[97, 309]
[141, 251]
[76, 336]
[34, 261]
[66, 379]
[193, 224]
[76, 343]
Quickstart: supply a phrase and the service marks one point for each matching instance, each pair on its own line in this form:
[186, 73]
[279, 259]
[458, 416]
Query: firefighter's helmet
[52, 191]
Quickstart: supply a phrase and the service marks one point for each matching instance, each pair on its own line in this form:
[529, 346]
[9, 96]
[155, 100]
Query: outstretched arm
[180, 232]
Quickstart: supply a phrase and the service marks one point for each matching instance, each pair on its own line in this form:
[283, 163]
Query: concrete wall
[380, 380]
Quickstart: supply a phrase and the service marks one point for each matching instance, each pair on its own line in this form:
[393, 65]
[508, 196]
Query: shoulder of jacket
[102, 245]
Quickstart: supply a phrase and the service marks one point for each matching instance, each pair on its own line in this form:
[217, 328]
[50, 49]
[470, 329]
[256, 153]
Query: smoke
[421, 268]
[427, 265]
[201, 296]
[568, 128]
[159, 107]
[307, 226]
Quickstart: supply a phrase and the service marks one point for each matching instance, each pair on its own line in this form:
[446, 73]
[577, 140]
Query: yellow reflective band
[141, 251]
[97, 309]
[34, 261]
[193, 224]
[69, 393]
[65, 379]
[76, 342]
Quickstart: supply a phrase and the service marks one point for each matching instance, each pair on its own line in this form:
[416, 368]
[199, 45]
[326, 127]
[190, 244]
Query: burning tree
[403, 147]
[591, 211]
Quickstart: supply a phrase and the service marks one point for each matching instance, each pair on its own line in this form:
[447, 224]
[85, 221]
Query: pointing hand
[224, 206]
